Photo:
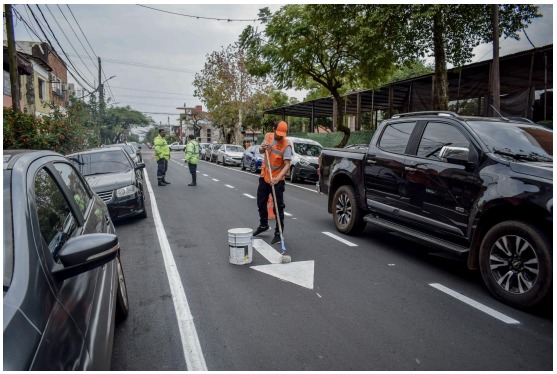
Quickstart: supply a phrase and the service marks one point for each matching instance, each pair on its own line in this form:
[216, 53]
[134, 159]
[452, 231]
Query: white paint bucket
[240, 244]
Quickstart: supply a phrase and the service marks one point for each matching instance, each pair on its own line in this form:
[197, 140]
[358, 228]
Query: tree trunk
[340, 123]
[440, 83]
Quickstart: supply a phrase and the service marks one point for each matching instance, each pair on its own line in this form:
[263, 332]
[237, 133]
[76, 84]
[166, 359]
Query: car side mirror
[459, 156]
[84, 253]
[139, 165]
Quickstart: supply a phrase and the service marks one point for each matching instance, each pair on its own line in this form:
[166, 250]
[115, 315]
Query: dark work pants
[162, 166]
[193, 171]
[263, 192]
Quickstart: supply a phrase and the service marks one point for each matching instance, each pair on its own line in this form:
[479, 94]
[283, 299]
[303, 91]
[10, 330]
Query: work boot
[260, 229]
[192, 184]
[161, 183]
[276, 238]
[165, 181]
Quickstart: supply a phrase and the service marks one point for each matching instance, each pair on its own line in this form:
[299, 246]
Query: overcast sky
[154, 55]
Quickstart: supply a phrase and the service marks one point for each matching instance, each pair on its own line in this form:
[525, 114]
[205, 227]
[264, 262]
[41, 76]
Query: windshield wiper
[521, 156]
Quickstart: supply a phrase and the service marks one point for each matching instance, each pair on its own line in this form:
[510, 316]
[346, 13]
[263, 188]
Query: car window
[101, 162]
[76, 186]
[395, 137]
[234, 148]
[305, 149]
[56, 221]
[436, 136]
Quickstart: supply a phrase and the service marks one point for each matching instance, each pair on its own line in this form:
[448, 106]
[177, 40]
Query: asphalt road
[371, 302]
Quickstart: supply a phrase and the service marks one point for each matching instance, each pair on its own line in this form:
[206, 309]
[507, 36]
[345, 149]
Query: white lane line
[287, 214]
[475, 304]
[229, 186]
[340, 239]
[251, 197]
[205, 175]
[190, 341]
[216, 180]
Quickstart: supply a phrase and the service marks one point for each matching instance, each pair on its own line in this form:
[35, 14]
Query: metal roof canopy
[519, 71]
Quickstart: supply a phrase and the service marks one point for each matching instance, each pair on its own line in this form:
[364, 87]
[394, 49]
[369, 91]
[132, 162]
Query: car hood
[536, 169]
[110, 181]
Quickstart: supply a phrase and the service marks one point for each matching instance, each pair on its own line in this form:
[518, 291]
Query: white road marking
[205, 175]
[340, 239]
[300, 272]
[216, 180]
[287, 214]
[251, 197]
[475, 304]
[190, 341]
[229, 186]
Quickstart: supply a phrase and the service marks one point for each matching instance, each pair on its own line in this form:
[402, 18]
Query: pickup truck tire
[346, 213]
[516, 263]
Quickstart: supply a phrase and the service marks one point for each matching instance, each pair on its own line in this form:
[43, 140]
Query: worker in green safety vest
[162, 155]
[191, 157]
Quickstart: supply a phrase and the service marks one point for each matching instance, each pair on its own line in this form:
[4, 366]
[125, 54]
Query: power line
[145, 65]
[69, 60]
[44, 34]
[81, 30]
[137, 89]
[200, 17]
[77, 37]
[61, 29]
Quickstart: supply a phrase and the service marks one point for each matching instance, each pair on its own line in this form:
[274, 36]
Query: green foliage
[57, 132]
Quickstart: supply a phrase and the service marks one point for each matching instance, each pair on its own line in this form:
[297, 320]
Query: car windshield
[305, 149]
[234, 148]
[101, 162]
[519, 141]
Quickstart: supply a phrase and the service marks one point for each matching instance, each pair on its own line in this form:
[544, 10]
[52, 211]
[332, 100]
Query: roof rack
[441, 113]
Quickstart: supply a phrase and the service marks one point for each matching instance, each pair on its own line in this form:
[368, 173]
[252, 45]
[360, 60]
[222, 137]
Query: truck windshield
[516, 140]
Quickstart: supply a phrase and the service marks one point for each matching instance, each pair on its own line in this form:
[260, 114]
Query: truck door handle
[371, 161]
[408, 168]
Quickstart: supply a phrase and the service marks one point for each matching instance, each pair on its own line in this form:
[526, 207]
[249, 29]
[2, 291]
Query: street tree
[447, 32]
[224, 86]
[327, 44]
[118, 120]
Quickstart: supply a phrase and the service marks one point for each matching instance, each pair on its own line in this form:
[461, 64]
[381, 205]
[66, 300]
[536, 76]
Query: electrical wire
[77, 37]
[145, 65]
[87, 40]
[55, 20]
[137, 89]
[200, 17]
[40, 26]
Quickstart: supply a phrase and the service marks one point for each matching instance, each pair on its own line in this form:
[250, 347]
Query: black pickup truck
[481, 188]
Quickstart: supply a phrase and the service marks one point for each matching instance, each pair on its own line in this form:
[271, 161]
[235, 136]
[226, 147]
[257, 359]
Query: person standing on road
[162, 155]
[191, 157]
[279, 152]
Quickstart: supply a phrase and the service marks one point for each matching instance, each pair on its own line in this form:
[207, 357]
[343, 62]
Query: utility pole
[495, 81]
[12, 57]
[101, 94]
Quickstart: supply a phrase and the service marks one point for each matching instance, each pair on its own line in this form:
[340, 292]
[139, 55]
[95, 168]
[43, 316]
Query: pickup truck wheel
[346, 213]
[293, 177]
[122, 305]
[516, 263]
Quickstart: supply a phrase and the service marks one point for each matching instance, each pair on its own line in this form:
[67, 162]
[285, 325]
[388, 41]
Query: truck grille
[105, 196]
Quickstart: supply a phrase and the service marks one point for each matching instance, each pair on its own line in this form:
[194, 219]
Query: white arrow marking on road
[300, 272]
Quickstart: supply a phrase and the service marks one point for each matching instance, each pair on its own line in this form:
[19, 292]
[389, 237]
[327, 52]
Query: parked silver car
[64, 286]
[230, 154]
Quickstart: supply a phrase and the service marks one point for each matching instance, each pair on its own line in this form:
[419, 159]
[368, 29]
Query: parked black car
[479, 188]
[134, 153]
[64, 286]
[118, 181]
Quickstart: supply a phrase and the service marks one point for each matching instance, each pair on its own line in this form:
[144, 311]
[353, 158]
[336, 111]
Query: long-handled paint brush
[285, 259]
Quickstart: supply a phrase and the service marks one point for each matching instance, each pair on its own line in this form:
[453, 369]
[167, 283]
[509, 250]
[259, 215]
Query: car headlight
[126, 191]
[304, 161]
[226, 155]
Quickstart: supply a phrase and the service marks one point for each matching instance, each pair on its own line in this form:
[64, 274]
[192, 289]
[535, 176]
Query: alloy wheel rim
[343, 210]
[514, 264]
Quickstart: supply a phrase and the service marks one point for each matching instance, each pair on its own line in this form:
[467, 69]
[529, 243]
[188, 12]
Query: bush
[56, 132]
